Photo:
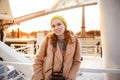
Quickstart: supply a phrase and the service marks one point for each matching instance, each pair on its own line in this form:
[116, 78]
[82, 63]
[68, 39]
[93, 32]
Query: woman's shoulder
[49, 35]
[73, 37]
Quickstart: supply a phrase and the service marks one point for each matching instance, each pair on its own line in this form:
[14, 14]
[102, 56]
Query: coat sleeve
[76, 62]
[38, 61]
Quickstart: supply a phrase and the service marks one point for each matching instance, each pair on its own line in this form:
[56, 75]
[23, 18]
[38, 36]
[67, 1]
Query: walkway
[91, 62]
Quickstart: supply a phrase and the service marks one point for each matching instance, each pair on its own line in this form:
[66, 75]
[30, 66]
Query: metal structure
[60, 5]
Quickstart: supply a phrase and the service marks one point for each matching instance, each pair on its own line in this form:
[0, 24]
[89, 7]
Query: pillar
[110, 34]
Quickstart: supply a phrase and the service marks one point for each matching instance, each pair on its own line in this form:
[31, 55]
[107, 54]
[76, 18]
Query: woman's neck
[60, 36]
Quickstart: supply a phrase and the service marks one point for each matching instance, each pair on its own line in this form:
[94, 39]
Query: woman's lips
[57, 30]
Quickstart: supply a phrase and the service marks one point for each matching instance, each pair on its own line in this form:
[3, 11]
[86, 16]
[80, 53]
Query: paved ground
[90, 76]
[91, 62]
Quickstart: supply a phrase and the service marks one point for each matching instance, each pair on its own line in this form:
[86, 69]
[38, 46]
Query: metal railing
[9, 72]
[15, 74]
[31, 48]
[24, 48]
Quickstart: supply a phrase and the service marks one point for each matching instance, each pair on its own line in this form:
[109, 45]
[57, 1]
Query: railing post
[5, 68]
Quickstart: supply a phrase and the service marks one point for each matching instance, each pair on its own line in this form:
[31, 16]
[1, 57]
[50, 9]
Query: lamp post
[83, 34]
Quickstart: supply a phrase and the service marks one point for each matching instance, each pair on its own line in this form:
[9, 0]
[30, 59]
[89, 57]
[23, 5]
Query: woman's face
[58, 27]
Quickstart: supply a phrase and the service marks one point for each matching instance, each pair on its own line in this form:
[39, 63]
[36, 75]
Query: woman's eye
[53, 26]
[58, 24]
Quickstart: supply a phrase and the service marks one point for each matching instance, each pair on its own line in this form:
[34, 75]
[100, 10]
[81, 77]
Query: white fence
[15, 74]
[8, 71]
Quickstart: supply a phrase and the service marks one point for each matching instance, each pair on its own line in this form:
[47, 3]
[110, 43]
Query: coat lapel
[70, 47]
[69, 50]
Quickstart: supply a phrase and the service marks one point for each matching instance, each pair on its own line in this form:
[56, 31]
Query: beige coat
[42, 65]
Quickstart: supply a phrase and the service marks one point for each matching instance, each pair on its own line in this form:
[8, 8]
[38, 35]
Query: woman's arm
[76, 62]
[38, 61]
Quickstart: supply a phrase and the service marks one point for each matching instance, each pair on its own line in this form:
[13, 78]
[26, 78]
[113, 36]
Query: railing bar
[24, 47]
[100, 70]
[12, 63]
[20, 74]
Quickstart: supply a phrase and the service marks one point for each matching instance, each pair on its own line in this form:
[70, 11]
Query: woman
[61, 45]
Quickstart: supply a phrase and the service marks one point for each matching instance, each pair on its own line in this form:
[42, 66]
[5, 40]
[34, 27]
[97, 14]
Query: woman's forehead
[56, 21]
